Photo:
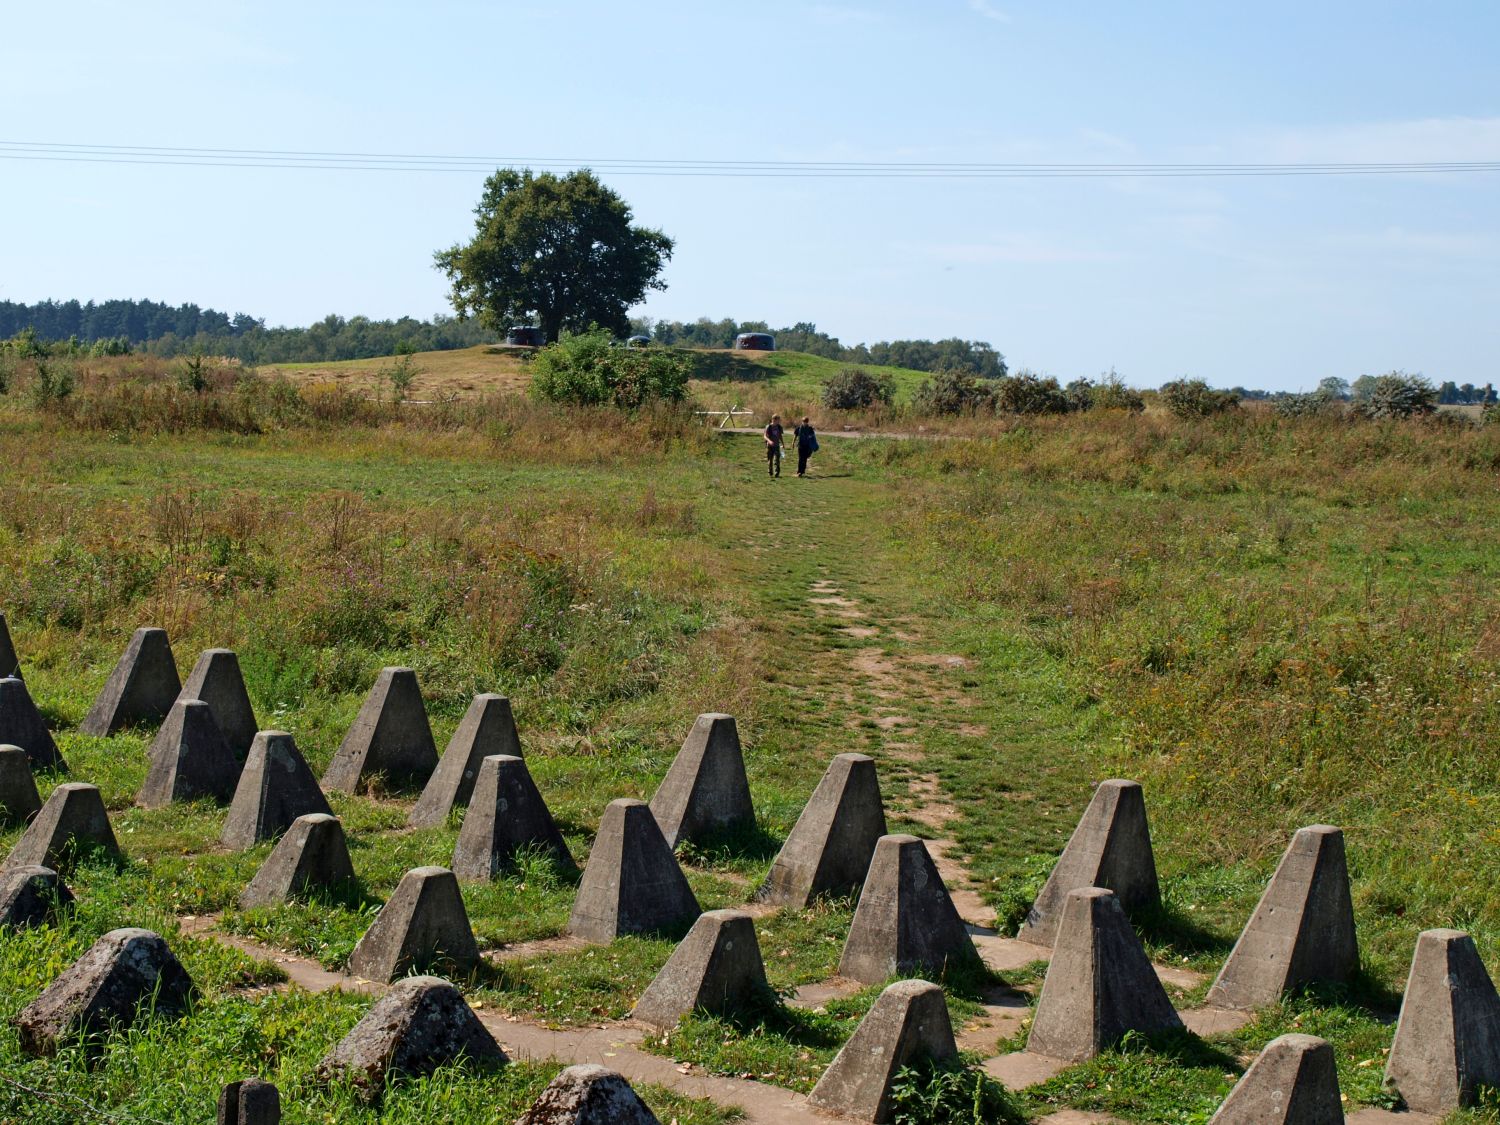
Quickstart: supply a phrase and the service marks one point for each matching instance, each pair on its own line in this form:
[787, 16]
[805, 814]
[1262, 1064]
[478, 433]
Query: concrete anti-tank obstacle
[124, 975]
[250, 1102]
[71, 823]
[506, 815]
[21, 724]
[189, 759]
[312, 856]
[1448, 1037]
[705, 791]
[716, 968]
[831, 845]
[19, 800]
[10, 664]
[632, 883]
[909, 1019]
[1099, 985]
[1110, 848]
[905, 920]
[1302, 929]
[216, 679]
[423, 924]
[1293, 1081]
[420, 1024]
[588, 1094]
[390, 736]
[31, 896]
[488, 728]
[141, 689]
[275, 788]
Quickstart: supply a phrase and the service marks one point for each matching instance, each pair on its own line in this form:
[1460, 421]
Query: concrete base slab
[1214, 1021]
[1006, 955]
[1078, 1117]
[1021, 1069]
[820, 993]
[1372, 1116]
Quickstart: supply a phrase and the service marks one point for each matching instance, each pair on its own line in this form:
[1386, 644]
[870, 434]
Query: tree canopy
[560, 251]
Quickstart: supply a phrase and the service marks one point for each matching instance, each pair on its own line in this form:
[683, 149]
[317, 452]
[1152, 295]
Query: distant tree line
[163, 329]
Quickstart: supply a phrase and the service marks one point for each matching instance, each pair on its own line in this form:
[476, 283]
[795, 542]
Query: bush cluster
[1193, 398]
[587, 369]
[1397, 395]
[854, 388]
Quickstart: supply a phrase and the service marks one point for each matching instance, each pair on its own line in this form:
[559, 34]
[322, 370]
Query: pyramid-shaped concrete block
[422, 925]
[1302, 930]
[420, 1024]
[705, 791]
[21, 724]
[588, 1094]
[1448, 1037]
[488, 728]
[716, 968]
[833, 841]
[125, 975]
[275, 788]
[908, 1020]
[1110, 848]
[189, 759]
[10, 664]
[216, 679]
[141, 689]
[250, 1102]
[632, 883]
[31, 896]
[312, 856]
[19, 800]
[506, 816]
[1293, 1081]
[390, 736]
[72, 824]
[1099, 985]
[905, 921]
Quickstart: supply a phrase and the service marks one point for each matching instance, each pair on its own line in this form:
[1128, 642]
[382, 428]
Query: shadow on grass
[1168, 928]
[727, 367]
[767, 1015]
[731, 845]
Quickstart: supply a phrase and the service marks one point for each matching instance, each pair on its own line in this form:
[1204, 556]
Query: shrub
[950, 1092]
[52, 382]
[1079, 394]
[1028, 393]
[854, 388]
[586, 369]
[953, 392]
[1398, 395]
[1193, 398]
[1490, 416]
[1111, 393]
[1305, 405]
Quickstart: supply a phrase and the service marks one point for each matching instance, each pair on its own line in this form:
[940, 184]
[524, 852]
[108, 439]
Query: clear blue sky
[1272, 282]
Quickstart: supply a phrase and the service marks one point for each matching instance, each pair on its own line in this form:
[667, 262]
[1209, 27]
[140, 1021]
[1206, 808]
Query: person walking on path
[807, 444]
[773, 446]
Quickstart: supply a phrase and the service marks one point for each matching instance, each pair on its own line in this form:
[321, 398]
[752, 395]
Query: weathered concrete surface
[312, 856]
[275, 788]
[1110, 848]
[1448, 1037]
[1099, 985]
[905, 919]
[10, 664]
[488, 728]
[422, 925]
[1020, 1069]
[390, 736]
[910, 1018]
[588, 1094]
[71, 823]
[21, 724]
[189, 759]
[716, 968]
[216, 679]
[31, 896]
[506, 814]
[250, 1102]
[632, 883]
[831, 845]
[421, 1024]
[1294, 1081]
[706, 790]
[141, 689]
[19, 800]
[1302, 930]
[106, 986]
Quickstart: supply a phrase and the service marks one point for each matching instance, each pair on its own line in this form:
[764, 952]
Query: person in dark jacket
[773, 436]
[807, 444]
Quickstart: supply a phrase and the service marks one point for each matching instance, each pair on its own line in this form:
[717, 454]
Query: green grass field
[1269, 623]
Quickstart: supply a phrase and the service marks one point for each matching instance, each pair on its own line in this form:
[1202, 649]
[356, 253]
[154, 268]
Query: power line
[772, 169]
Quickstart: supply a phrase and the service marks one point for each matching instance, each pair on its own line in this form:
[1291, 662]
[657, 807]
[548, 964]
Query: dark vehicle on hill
[524, 336]
[638, 341]
[755, 342]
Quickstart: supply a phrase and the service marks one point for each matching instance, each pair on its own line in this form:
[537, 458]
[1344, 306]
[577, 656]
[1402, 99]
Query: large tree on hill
[561, 250]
